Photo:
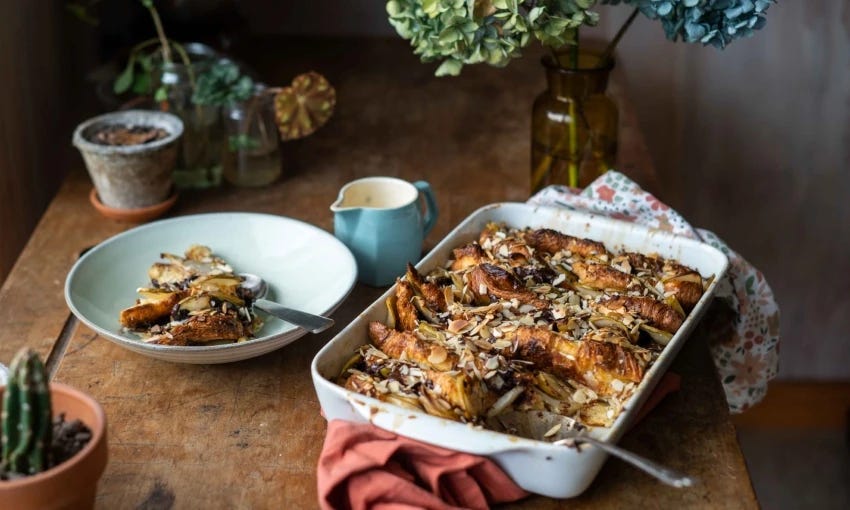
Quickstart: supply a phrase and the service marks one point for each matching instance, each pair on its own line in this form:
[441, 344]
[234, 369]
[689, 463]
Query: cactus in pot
[26, 417]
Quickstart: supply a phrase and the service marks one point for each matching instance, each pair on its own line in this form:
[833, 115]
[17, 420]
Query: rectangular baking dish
[536, 466]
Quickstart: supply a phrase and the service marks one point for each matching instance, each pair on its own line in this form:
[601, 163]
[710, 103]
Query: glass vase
[252, 150]
[199, 153]
[573, 124]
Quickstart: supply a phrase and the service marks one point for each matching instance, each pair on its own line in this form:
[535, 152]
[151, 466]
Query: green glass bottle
[573, 124]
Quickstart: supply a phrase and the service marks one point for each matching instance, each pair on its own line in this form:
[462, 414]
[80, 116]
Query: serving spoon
[661, 473]
[540, 424]
[257, 288]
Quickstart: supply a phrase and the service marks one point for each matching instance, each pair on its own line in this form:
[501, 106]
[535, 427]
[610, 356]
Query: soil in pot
[119, 134]
[69, 437]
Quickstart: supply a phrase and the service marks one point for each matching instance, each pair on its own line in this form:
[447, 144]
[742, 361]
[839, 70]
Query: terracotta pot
[131, 176]
[71, 485]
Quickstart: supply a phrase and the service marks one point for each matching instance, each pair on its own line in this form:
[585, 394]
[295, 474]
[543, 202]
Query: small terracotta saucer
[139, 215]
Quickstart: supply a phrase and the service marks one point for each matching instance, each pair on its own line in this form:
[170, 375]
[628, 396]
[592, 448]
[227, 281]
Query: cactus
[26, 417]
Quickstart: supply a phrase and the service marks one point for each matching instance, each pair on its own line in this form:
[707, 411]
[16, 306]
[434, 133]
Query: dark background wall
[752, 142]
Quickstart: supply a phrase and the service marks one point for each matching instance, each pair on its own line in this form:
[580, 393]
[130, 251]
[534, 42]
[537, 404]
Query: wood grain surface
[248, 434]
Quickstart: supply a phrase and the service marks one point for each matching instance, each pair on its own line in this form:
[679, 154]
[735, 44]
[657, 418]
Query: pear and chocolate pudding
[192, 300]
[525, 322]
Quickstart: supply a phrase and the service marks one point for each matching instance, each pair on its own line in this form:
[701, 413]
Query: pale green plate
[307, 269]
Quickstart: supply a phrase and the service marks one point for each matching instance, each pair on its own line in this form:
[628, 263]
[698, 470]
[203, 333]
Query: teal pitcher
[381, 221]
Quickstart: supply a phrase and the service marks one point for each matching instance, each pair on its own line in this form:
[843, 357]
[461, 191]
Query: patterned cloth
[746, 358]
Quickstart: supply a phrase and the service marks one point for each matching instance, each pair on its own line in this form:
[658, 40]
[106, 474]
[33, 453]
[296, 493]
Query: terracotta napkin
[364, 467]
[747, 358]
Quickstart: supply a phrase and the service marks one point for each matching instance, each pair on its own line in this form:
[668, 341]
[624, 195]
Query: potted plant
[574, 126]
[53, 441]
[130, 156]
[161, 74]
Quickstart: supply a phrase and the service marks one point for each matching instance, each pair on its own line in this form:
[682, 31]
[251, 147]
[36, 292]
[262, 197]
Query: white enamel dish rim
[505, 449]
[345, 270]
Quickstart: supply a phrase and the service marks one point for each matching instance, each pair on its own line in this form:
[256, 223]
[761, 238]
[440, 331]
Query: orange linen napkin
[365, 467]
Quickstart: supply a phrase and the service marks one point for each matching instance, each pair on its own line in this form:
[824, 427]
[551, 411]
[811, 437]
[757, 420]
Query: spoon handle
[308, 321]
[664, 474]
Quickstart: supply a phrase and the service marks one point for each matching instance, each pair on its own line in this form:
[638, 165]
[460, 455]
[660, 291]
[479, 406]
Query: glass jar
[199, 153]
[252, 149]
[573, 124]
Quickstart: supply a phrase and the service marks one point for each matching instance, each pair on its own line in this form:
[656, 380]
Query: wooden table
[248, 434]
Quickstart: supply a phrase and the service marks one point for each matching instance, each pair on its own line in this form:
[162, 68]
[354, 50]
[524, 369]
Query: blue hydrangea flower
[715, 22]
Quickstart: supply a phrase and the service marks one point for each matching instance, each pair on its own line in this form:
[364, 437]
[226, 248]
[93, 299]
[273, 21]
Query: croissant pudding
[528, 323]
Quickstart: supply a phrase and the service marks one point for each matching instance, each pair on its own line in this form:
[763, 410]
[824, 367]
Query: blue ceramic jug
[382, 223]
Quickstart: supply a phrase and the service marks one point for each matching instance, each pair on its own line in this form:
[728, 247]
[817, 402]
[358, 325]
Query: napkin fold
[364, 467]
[746, 357]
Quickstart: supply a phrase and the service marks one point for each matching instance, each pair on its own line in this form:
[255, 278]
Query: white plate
[306, 268]
[536, 466]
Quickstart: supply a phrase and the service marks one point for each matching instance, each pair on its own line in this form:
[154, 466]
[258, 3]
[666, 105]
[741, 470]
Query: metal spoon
[663, 474]
[540, 424]
[257, 288]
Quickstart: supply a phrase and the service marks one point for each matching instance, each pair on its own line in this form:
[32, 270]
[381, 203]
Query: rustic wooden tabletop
[248, 434]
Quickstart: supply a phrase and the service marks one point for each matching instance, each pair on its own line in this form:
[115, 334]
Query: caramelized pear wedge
[225, 284]
[164, 274]
[604, 321]
[430, 332]
[675, 305]
[553, 386]
[154, 295]
[658, 335]
[195, 303]
[392, 316]
[425, 312]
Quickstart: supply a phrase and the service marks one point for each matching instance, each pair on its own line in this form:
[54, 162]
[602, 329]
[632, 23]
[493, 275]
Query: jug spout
[345, 212]
[339, 205]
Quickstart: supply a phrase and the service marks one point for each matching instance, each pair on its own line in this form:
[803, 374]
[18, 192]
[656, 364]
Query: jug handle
[431, 211]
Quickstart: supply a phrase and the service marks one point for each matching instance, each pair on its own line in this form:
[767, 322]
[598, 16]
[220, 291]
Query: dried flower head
[715, 22]
[458, 32]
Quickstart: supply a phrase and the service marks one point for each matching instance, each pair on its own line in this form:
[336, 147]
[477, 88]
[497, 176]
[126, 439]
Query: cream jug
[381, 221]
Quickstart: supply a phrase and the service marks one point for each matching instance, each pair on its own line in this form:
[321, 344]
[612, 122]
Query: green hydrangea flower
[458, 32]
[715, 22]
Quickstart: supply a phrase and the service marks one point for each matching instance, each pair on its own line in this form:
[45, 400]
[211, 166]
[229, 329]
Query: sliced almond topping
[438, 355]
[554, 430]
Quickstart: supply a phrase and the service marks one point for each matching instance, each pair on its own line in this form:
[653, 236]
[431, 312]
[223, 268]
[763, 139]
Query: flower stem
[573, 162]
[574, 53]
[160, 32]
[609, 50]
[575, 153]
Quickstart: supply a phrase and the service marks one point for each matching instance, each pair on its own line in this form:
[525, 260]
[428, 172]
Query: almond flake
[438, 355]
[554, 430]
[457, 326]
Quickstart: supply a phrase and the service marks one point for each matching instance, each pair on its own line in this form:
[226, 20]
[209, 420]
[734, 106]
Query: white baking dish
[539, 467]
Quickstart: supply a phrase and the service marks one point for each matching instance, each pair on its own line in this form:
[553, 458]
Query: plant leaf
[161, 94]
[450, 67]
[242, 141]
[125, 79]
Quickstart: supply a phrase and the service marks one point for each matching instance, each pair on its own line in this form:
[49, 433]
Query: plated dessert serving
[195, 299]
[283, 252]
[525, 324]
